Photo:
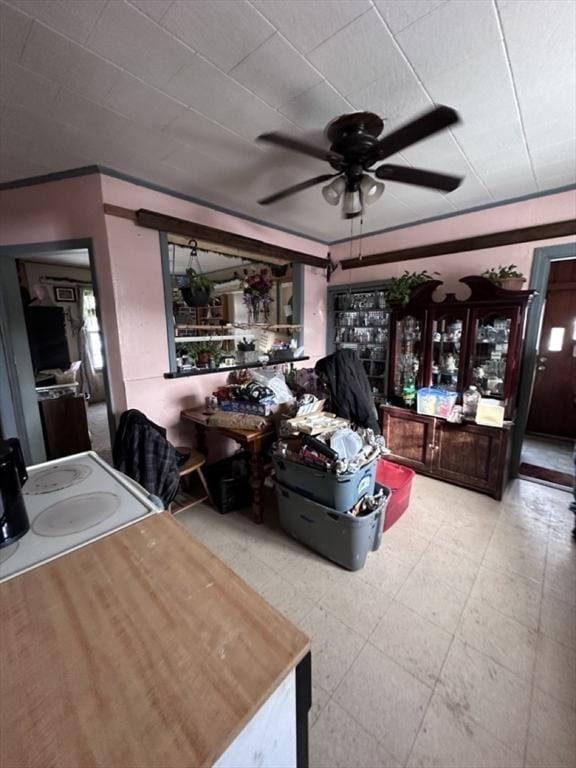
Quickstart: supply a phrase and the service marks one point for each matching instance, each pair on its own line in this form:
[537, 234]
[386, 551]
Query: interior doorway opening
[59, 312]
[548, 442]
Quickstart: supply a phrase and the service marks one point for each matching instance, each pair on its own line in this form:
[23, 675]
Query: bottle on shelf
[470, 400]
[409, 391]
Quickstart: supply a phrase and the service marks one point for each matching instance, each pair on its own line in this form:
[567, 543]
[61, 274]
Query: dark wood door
[409, 436]
[553, 405]
[470, 455]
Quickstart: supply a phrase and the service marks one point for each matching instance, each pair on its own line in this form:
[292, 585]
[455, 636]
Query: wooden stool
[194, 463]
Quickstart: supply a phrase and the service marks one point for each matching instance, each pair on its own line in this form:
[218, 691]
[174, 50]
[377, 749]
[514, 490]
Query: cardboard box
[490, 413]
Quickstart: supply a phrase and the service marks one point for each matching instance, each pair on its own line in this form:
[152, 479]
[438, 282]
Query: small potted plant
[508, 277]
[203, 355]
[399, 289]
[246, 351]
[216, 354]
[199, 289]
[187, 355]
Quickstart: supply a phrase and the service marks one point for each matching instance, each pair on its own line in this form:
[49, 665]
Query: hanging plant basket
[279, 270]
[194, 298]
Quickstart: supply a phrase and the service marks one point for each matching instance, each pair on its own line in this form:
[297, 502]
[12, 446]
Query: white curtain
[92, 379]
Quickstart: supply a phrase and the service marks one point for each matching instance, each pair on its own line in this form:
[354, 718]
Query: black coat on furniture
[350, 393]
[142, 452]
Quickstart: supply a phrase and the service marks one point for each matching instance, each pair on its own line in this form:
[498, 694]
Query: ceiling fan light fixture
[352, 204]
[371, 189]
[333, 192]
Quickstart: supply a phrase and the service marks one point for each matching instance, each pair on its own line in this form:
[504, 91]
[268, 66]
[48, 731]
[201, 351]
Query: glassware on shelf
[470, 400]
[489, 360]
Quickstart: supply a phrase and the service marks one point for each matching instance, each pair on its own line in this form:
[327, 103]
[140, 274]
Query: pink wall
[67, 210]
[454, 266]
[138, 287]
[129, 277]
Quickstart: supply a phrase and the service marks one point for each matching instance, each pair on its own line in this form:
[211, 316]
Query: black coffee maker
[13, 517]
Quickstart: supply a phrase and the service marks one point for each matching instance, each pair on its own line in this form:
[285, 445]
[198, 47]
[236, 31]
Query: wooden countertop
[141, 649]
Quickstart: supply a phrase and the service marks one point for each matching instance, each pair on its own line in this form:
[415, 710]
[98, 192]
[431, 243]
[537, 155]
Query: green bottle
[409, 391]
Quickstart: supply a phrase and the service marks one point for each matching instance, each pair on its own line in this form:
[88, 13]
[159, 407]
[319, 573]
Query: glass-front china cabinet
[451, 344]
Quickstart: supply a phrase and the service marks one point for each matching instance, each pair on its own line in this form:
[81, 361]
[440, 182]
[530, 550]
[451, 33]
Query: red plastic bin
[399, 480]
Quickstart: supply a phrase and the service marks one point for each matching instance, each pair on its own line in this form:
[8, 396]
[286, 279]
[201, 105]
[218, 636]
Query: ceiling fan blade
[297, 188]
[418, 177]
[288, 142]
[436, 120]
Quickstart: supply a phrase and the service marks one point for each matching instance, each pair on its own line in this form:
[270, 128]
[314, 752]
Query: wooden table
[252, 440]
[142, 649]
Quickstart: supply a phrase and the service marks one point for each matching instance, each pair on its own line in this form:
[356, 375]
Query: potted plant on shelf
[187, 354]
[209, 354]
[399, 289]
[246, 352]
[508, 277]
[199, 289]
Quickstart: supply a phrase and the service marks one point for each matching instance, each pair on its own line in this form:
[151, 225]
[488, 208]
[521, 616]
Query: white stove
[70, 503]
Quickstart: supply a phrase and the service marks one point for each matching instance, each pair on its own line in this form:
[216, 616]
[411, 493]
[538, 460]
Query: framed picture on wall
[65, 294]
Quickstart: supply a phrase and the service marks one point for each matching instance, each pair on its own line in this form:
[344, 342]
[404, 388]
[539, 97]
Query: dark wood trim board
[474, 243]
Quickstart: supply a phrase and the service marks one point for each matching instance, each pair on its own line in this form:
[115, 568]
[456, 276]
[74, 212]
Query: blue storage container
[338, 536]
[341, 492]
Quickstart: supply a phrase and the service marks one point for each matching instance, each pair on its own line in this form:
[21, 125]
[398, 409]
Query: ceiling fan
[355, 148]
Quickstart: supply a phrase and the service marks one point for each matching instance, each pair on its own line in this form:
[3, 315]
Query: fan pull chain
[360, 254]
[350, 256]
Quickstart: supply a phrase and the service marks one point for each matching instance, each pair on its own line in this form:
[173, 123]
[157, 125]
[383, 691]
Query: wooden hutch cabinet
[452, 344]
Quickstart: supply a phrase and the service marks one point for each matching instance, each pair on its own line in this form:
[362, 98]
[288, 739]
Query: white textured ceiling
[175, 92]
[75, 257]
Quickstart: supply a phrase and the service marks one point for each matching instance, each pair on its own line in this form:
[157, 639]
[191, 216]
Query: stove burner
[7, 552]
[56, 478]
[76, 514]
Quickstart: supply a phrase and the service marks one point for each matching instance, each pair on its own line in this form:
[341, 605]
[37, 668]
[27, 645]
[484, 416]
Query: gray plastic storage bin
[340, 537]
[339, 492]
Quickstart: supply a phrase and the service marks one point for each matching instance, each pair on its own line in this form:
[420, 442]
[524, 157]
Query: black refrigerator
[46, 326]
[359, 319]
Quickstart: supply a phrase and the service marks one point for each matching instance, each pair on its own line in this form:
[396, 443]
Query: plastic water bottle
[409, 392]
[470, 400]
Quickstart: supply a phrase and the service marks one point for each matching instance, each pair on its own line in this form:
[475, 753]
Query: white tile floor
[455, 647]
[99, 430]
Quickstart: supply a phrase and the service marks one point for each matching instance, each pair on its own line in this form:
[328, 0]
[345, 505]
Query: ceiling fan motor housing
[355, 137]
[356, 147]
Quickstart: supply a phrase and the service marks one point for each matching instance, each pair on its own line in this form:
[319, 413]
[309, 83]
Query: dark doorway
[63, 341]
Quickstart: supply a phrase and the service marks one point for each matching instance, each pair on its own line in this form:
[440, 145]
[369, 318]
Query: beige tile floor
[455, 647]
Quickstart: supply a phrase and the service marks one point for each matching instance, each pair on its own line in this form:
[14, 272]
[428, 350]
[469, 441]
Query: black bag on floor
[229, 481]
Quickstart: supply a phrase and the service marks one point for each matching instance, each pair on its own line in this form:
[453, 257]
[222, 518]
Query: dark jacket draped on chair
[142, 452]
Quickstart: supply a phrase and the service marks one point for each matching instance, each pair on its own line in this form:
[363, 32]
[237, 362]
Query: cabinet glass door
[448, 335]
[489, 358]
[408, 356]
